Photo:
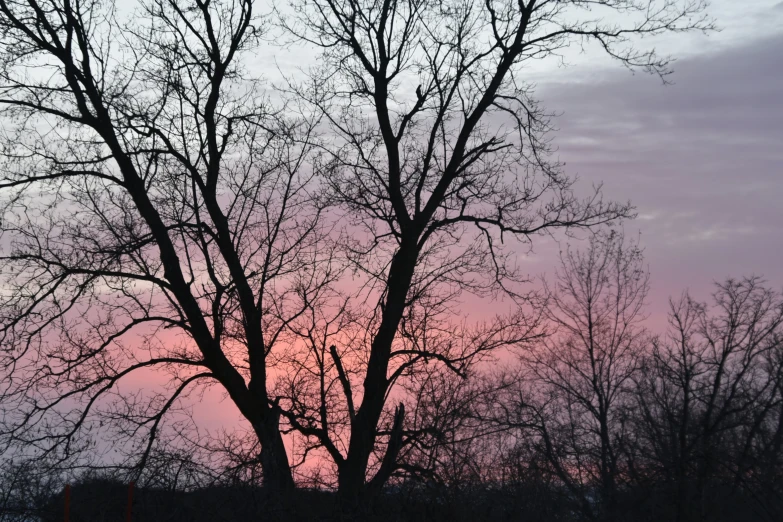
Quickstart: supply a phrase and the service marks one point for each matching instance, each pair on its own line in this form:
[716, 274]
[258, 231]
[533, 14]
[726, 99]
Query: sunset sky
[363, 247]
[700, 158]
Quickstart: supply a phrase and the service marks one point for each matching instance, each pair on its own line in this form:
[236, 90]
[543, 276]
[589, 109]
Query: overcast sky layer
[702, 159]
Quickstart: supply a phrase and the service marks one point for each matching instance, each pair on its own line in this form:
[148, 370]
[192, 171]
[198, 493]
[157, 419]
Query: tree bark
[274, 458]
[353, 471]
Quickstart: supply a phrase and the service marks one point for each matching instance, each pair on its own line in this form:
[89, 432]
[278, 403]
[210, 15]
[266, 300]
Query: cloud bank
[701, 159]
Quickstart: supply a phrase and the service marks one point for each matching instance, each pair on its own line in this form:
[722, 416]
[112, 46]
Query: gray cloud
[701, 159]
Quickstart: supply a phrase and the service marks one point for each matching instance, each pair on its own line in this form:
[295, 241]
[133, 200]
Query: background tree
[155, 217]
[582, 371]
[613, 423]
[434, 178]
[709, 396]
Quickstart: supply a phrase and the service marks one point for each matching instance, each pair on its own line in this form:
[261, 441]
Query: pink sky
[702, 161]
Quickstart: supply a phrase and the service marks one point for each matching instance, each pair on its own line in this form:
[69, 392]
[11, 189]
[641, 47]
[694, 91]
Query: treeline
[595, 419]
[620, 423]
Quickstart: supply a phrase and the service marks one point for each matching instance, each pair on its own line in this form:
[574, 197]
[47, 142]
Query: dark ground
[100, 500]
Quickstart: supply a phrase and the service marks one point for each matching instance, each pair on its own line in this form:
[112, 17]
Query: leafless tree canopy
[436, 177]
[616, 423]
[156, 215]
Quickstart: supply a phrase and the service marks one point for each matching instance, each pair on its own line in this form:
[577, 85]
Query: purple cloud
[701, 159]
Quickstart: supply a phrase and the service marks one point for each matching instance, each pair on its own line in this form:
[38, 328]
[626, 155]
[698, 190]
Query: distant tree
[619, 424]
[709, 398]
[582, 371]
[25, 487]
[438, 155]
[156, 216]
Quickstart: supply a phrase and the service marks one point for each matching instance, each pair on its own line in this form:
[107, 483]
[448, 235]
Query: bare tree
[709, 396]
[583, 369]
[433, 178]
[25, 487]
[156, 216]
[317, 388]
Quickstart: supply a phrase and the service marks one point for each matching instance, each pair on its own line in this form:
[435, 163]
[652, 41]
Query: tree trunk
[683, 454]
[274, 458]
[364, 428]
[607, 470]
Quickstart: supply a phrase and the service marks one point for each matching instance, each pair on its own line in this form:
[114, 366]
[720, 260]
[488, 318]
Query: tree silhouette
[709, 394]
[434, 178]
[583, 371]
[163, 214]
[156, 216]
